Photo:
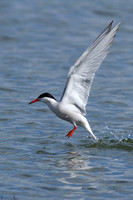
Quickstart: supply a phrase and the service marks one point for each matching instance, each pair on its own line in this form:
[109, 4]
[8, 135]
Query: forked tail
[88, 128]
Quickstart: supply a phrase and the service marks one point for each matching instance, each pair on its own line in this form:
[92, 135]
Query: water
[39, 41]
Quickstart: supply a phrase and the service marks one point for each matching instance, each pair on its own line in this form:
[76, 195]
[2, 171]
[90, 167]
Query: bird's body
[72, 106]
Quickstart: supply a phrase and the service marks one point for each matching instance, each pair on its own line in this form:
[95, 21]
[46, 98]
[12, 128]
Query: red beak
[34, 101]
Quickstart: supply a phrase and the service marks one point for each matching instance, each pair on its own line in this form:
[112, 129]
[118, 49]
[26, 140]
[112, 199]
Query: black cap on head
[46, 95]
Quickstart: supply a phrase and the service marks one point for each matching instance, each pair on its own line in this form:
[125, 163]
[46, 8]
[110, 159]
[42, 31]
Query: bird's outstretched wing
[82, 73]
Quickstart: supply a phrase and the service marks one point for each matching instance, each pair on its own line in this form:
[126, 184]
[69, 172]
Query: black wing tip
[111, 22]
[109, 26]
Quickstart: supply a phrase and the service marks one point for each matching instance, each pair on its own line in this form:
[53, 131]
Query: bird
[72, 105]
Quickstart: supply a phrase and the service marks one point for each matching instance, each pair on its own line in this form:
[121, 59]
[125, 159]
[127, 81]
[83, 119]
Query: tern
[72, 105]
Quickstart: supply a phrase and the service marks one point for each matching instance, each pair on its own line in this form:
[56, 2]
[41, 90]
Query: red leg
[71, 132]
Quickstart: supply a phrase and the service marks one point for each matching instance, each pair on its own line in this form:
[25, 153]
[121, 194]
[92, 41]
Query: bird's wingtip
[111, 22]
[117, 24]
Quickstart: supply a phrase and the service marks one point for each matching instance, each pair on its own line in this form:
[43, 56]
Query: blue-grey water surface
[39, 41]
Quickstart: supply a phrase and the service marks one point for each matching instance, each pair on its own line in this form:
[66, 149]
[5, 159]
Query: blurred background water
[39, 41]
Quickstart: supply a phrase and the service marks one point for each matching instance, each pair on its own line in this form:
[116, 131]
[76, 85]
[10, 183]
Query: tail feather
[88, 128]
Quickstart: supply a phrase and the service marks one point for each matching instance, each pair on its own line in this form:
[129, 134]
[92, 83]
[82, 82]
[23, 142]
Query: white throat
[51, 103]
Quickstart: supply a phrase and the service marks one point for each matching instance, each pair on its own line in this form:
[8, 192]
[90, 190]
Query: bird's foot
[71, 132]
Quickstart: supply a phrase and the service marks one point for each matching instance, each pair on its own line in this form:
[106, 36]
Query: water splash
[120, 136]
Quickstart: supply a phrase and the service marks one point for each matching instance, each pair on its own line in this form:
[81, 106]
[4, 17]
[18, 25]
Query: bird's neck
[52, 104]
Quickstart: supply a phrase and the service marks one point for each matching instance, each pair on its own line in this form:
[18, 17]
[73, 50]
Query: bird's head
[45, 97]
